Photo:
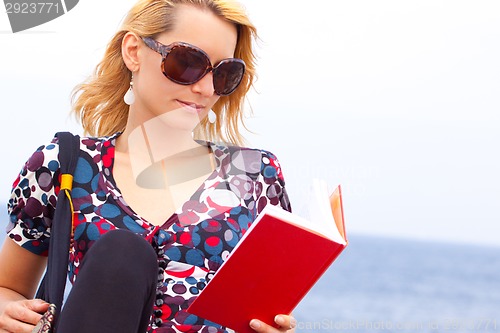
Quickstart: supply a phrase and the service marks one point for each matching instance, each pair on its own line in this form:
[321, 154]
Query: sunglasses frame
[164, 51]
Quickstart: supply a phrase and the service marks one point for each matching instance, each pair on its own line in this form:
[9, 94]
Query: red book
[275, 264]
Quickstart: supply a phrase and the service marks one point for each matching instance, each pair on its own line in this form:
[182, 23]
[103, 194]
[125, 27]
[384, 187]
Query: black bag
[52, 287]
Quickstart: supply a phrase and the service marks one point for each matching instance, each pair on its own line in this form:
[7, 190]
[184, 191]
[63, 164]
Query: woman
[147, 235]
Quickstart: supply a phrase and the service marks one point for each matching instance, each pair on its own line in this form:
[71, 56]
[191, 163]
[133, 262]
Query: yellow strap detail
[66, 181]
[68, 194]
[66, 186]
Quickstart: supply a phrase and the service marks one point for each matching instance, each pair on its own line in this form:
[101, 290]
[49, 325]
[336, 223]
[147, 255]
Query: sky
[397, 101]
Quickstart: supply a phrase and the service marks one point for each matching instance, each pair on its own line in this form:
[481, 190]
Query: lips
[191, 107]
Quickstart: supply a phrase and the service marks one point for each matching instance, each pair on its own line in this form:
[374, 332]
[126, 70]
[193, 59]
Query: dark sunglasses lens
[228, 76]
[185, 65]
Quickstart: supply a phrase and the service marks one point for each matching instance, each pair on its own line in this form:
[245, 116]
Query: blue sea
[396, 285]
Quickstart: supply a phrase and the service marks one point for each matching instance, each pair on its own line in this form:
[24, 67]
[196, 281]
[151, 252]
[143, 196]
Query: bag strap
[53, 283]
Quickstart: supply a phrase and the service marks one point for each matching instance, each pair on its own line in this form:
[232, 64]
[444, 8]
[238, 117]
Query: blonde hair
[98, 103]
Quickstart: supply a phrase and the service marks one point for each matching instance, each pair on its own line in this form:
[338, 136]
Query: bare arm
[20, 272]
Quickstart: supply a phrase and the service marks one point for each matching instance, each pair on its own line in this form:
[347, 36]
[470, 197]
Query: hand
[286, 323]
[22, 316]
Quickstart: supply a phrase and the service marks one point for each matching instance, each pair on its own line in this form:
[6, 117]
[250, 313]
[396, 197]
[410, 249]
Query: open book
[275, 264]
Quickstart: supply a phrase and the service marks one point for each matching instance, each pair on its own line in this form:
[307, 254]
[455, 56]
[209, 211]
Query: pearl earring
[212, 116]
[129, 97]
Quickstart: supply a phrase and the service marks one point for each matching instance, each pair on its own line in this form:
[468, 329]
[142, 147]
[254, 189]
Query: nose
[205, 86]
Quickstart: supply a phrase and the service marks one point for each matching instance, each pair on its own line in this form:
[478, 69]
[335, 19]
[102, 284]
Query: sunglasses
[186, 64]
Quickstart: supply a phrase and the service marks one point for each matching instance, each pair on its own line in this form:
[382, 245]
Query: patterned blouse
[191, 245]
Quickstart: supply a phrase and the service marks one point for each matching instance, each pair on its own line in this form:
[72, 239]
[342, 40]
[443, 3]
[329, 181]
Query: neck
[162, 136]
[160, 142]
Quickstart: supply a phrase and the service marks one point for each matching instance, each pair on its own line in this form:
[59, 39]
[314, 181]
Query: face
[182, 106]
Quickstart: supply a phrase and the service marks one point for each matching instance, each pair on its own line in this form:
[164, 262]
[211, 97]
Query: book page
[321, 211]
[321, 217]
[338, 210]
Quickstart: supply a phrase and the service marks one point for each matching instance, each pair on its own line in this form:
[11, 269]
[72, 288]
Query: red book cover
[273, 267]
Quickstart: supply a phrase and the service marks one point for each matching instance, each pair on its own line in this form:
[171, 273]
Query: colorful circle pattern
[191, 245]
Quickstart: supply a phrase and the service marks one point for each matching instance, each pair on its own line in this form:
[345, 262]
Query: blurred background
[395, 100]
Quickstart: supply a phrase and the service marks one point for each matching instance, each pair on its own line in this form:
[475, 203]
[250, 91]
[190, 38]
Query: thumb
[37, 305]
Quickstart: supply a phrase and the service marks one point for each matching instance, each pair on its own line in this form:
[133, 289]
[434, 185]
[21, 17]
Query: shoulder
[91, 142]
[249, 152]
[250, 160]
[256, 153]
[46, 157]
[258, 165]
[93, 149]
[86, 142]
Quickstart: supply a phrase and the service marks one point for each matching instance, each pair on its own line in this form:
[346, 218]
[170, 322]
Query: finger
[29, 311]
[262, 327]
[13, 326]
[286, 322]
[259, 326]
[37, 305]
